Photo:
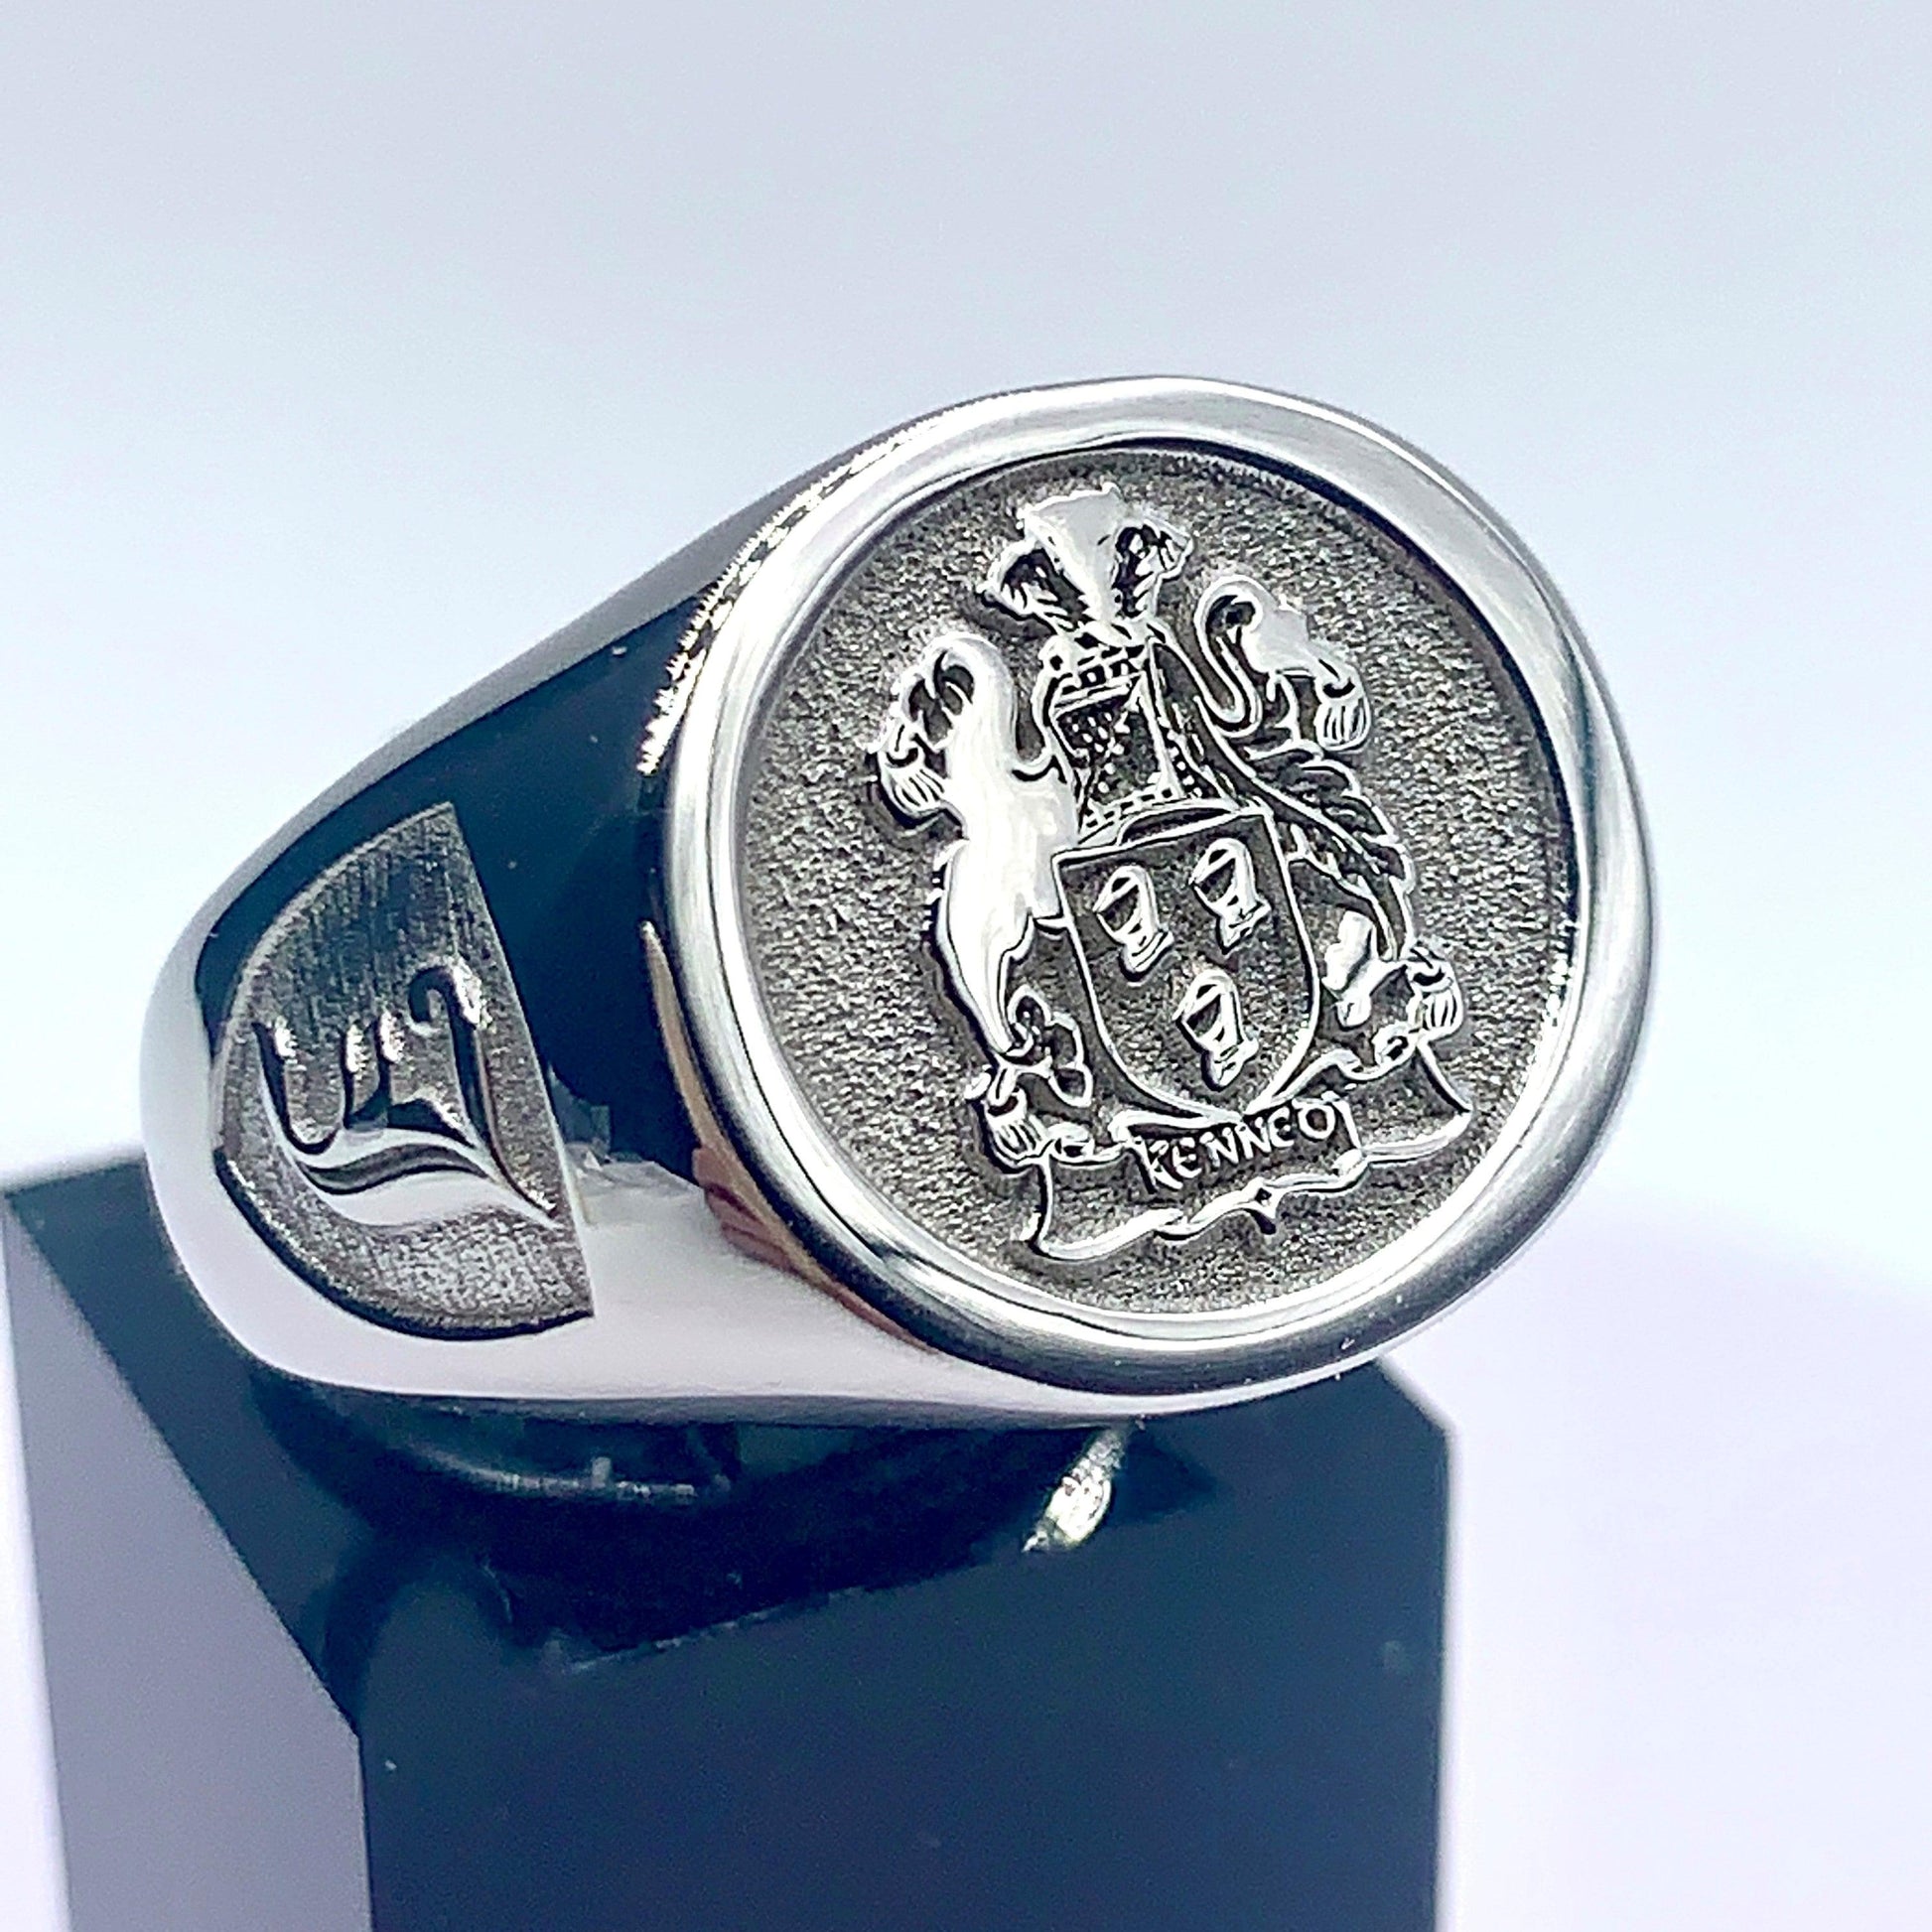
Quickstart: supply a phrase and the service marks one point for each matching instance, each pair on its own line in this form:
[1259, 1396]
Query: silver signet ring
[1109, 898]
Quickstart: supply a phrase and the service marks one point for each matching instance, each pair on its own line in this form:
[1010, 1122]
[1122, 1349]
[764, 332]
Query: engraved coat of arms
[1179, 928]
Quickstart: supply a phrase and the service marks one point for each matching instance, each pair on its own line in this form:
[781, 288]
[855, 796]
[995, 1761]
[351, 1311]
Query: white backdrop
[344, 352]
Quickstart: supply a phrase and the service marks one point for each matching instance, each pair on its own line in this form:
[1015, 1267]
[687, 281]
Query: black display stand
[317, 1665]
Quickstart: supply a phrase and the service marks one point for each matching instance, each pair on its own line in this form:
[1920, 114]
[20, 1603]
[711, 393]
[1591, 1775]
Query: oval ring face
[1155, 891]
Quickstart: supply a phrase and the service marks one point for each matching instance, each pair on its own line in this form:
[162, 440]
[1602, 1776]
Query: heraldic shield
[1197, 964]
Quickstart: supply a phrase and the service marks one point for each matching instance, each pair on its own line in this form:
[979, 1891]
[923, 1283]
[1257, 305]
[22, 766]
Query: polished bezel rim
[955, 1301]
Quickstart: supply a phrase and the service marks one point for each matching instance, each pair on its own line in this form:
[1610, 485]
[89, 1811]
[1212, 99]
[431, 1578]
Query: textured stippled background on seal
[837, 900]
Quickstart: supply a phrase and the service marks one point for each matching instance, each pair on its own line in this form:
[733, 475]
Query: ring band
[1109, 898]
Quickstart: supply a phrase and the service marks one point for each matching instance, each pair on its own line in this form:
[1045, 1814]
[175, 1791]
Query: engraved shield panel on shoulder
[381, 1115]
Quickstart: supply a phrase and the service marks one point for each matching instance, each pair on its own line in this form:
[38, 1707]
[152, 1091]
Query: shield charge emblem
[1195, 960]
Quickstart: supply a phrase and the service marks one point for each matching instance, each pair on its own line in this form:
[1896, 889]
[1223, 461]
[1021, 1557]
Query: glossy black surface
[606, 1677]
[547, 791]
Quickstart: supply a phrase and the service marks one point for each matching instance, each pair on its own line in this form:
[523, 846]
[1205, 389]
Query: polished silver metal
[1153, 909]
